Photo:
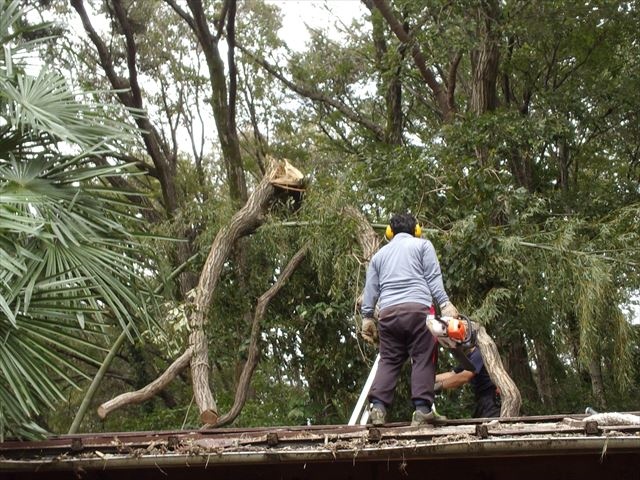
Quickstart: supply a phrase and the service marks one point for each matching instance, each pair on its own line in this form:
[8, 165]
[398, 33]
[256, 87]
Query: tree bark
[484, 59]
[368, 240]
[550, 371]
[149, 390]
[543, 373]
[484, 68]
[245, 221]
[517, 361]
[509, 393]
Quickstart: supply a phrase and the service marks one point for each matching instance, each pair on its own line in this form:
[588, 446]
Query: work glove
[369, 330]
[448, 309]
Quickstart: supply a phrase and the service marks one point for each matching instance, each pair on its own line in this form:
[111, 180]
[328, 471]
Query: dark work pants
[404, 334]
[487, 405]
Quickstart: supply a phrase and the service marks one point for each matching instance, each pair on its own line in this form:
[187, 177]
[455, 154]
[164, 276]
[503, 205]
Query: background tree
[507, 127]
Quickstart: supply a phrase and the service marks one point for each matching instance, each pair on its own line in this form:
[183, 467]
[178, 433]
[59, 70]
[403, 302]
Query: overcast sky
[296, 14]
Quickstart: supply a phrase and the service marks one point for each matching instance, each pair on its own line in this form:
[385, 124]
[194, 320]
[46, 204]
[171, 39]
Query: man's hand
[437, 388]
[448, 309]
[369, 330]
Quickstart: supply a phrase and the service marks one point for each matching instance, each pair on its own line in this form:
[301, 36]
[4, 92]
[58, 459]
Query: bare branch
[254, 349]
[149, 390]
[509, 393]
[427, 75]
[313, 94]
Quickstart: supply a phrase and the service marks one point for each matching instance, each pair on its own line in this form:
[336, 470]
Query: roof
[561, 446]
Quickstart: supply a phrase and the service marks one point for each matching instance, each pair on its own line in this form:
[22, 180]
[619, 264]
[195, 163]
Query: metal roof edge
[610, 444]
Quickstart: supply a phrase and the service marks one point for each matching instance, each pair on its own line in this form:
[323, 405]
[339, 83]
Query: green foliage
[532, 206]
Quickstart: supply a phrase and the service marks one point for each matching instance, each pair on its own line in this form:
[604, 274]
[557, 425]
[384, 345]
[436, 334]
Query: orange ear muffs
[418, 231]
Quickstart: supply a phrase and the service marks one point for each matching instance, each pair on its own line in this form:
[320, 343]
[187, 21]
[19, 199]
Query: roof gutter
[491, 448]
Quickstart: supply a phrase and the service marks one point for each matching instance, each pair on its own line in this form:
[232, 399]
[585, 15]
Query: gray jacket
[405, 270]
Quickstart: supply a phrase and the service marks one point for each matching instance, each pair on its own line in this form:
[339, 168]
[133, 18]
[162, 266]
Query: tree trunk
[522, 170]
[484, 59]
[597, 383]
[545, 370]
[517, 362]
[222, 98]
[389, 78]
[484, 67]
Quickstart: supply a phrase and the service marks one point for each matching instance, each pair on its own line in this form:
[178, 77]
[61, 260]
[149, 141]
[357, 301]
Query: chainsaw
[456, 334]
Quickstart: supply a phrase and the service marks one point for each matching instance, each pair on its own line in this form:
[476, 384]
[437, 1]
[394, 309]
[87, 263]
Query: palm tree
[70, 270]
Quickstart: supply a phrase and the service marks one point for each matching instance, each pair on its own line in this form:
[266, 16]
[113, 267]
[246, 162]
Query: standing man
[403, 279]
[487, 402]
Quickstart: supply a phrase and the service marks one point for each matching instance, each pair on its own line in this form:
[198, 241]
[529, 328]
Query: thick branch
[149, 390]
[132, 50]
[368, 240]
[244, 222]
[254, 349]
[511, 399]
[509, 393]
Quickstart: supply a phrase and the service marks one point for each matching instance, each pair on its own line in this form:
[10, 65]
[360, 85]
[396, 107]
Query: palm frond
[70, 266]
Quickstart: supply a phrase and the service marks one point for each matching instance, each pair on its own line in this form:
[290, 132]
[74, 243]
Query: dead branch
[511, 399]
[254, 348]
[368, 240]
